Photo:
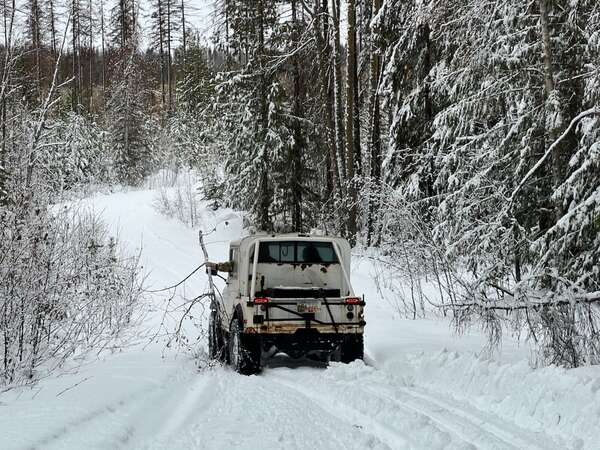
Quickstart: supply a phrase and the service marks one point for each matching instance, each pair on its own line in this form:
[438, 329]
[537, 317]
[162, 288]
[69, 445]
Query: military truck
[287, 293]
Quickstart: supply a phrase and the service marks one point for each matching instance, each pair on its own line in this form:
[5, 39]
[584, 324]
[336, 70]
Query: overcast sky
[201, 15]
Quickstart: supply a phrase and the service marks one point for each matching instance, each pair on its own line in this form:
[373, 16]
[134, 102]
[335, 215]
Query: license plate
[308, 307]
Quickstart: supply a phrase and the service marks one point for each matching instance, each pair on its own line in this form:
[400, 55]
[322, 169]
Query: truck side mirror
[215, 268]
[212, 268]
[225, 267]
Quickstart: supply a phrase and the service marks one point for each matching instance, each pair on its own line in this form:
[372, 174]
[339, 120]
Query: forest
[452, 139]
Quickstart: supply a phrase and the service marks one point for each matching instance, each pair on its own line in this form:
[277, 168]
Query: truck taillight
[261, 300]
[353, 301]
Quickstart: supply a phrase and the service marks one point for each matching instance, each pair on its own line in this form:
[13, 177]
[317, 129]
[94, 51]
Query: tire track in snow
[159, 416]
[256, 412]
[197, 394]
[73, 426]
[390, 437]
[507, 431]
[480, 430]
[116, 423]
[469, 428]
[336, 423]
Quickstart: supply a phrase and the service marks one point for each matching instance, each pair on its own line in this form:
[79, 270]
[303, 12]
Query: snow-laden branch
[513, 300]
[590, 112]
[591, 297]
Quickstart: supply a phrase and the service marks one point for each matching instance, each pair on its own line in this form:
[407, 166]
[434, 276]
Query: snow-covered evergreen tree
[129, 130]
[479, 144]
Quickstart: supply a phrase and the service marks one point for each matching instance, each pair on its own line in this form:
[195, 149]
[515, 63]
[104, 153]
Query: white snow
[422, 387]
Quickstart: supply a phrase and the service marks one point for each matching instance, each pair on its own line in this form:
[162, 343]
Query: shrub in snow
[65, 289]
[181, 199]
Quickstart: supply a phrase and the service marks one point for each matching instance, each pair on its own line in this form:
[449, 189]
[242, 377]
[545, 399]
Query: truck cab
[287, 293]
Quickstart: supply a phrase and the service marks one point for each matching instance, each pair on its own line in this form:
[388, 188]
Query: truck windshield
[297, 252]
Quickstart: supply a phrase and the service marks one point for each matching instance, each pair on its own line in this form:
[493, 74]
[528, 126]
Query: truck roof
[284, 236]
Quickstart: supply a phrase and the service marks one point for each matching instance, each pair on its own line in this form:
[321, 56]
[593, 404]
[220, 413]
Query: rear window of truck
[297, 252]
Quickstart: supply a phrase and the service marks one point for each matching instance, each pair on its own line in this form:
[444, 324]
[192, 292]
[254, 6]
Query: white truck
[288, 293]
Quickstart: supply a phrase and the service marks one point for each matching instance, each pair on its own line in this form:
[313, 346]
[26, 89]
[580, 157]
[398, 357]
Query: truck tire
[217, 349]
[244, 350]
[352, 348]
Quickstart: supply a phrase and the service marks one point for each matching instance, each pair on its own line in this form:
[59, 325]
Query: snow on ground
[422, 387]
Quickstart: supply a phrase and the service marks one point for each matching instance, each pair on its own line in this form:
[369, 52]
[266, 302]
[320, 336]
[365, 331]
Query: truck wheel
[216, 343]
[352, 348]
[244, 351]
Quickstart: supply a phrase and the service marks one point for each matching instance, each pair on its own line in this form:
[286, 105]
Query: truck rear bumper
[300, 328]
[293, 315]
[303, 342]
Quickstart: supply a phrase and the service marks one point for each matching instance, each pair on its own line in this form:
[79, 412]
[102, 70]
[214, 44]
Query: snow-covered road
[423, 387]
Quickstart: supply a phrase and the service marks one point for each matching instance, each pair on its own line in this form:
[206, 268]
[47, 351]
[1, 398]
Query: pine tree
[128, 130]
[126, 105]
[157, 42]
[196, 87]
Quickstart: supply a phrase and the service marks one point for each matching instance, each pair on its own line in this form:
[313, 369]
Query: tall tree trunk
[321, 30]
[350, 120]
[36, 38]
[375, 134]
[554, 107]
[92, 54]
[75, 91]
[80, 58]
[297, 147]
[169, 60]
[8, 22]
[545, 26]
[103, 45]
[339, 111]
[296, 160]
[123, 23]
[184, 32]
[265, 194]
[356, 102]
[161, 54]
[226, 8]
[52, 23]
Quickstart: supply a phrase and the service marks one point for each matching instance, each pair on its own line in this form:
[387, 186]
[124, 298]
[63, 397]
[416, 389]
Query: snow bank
[561, 403]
